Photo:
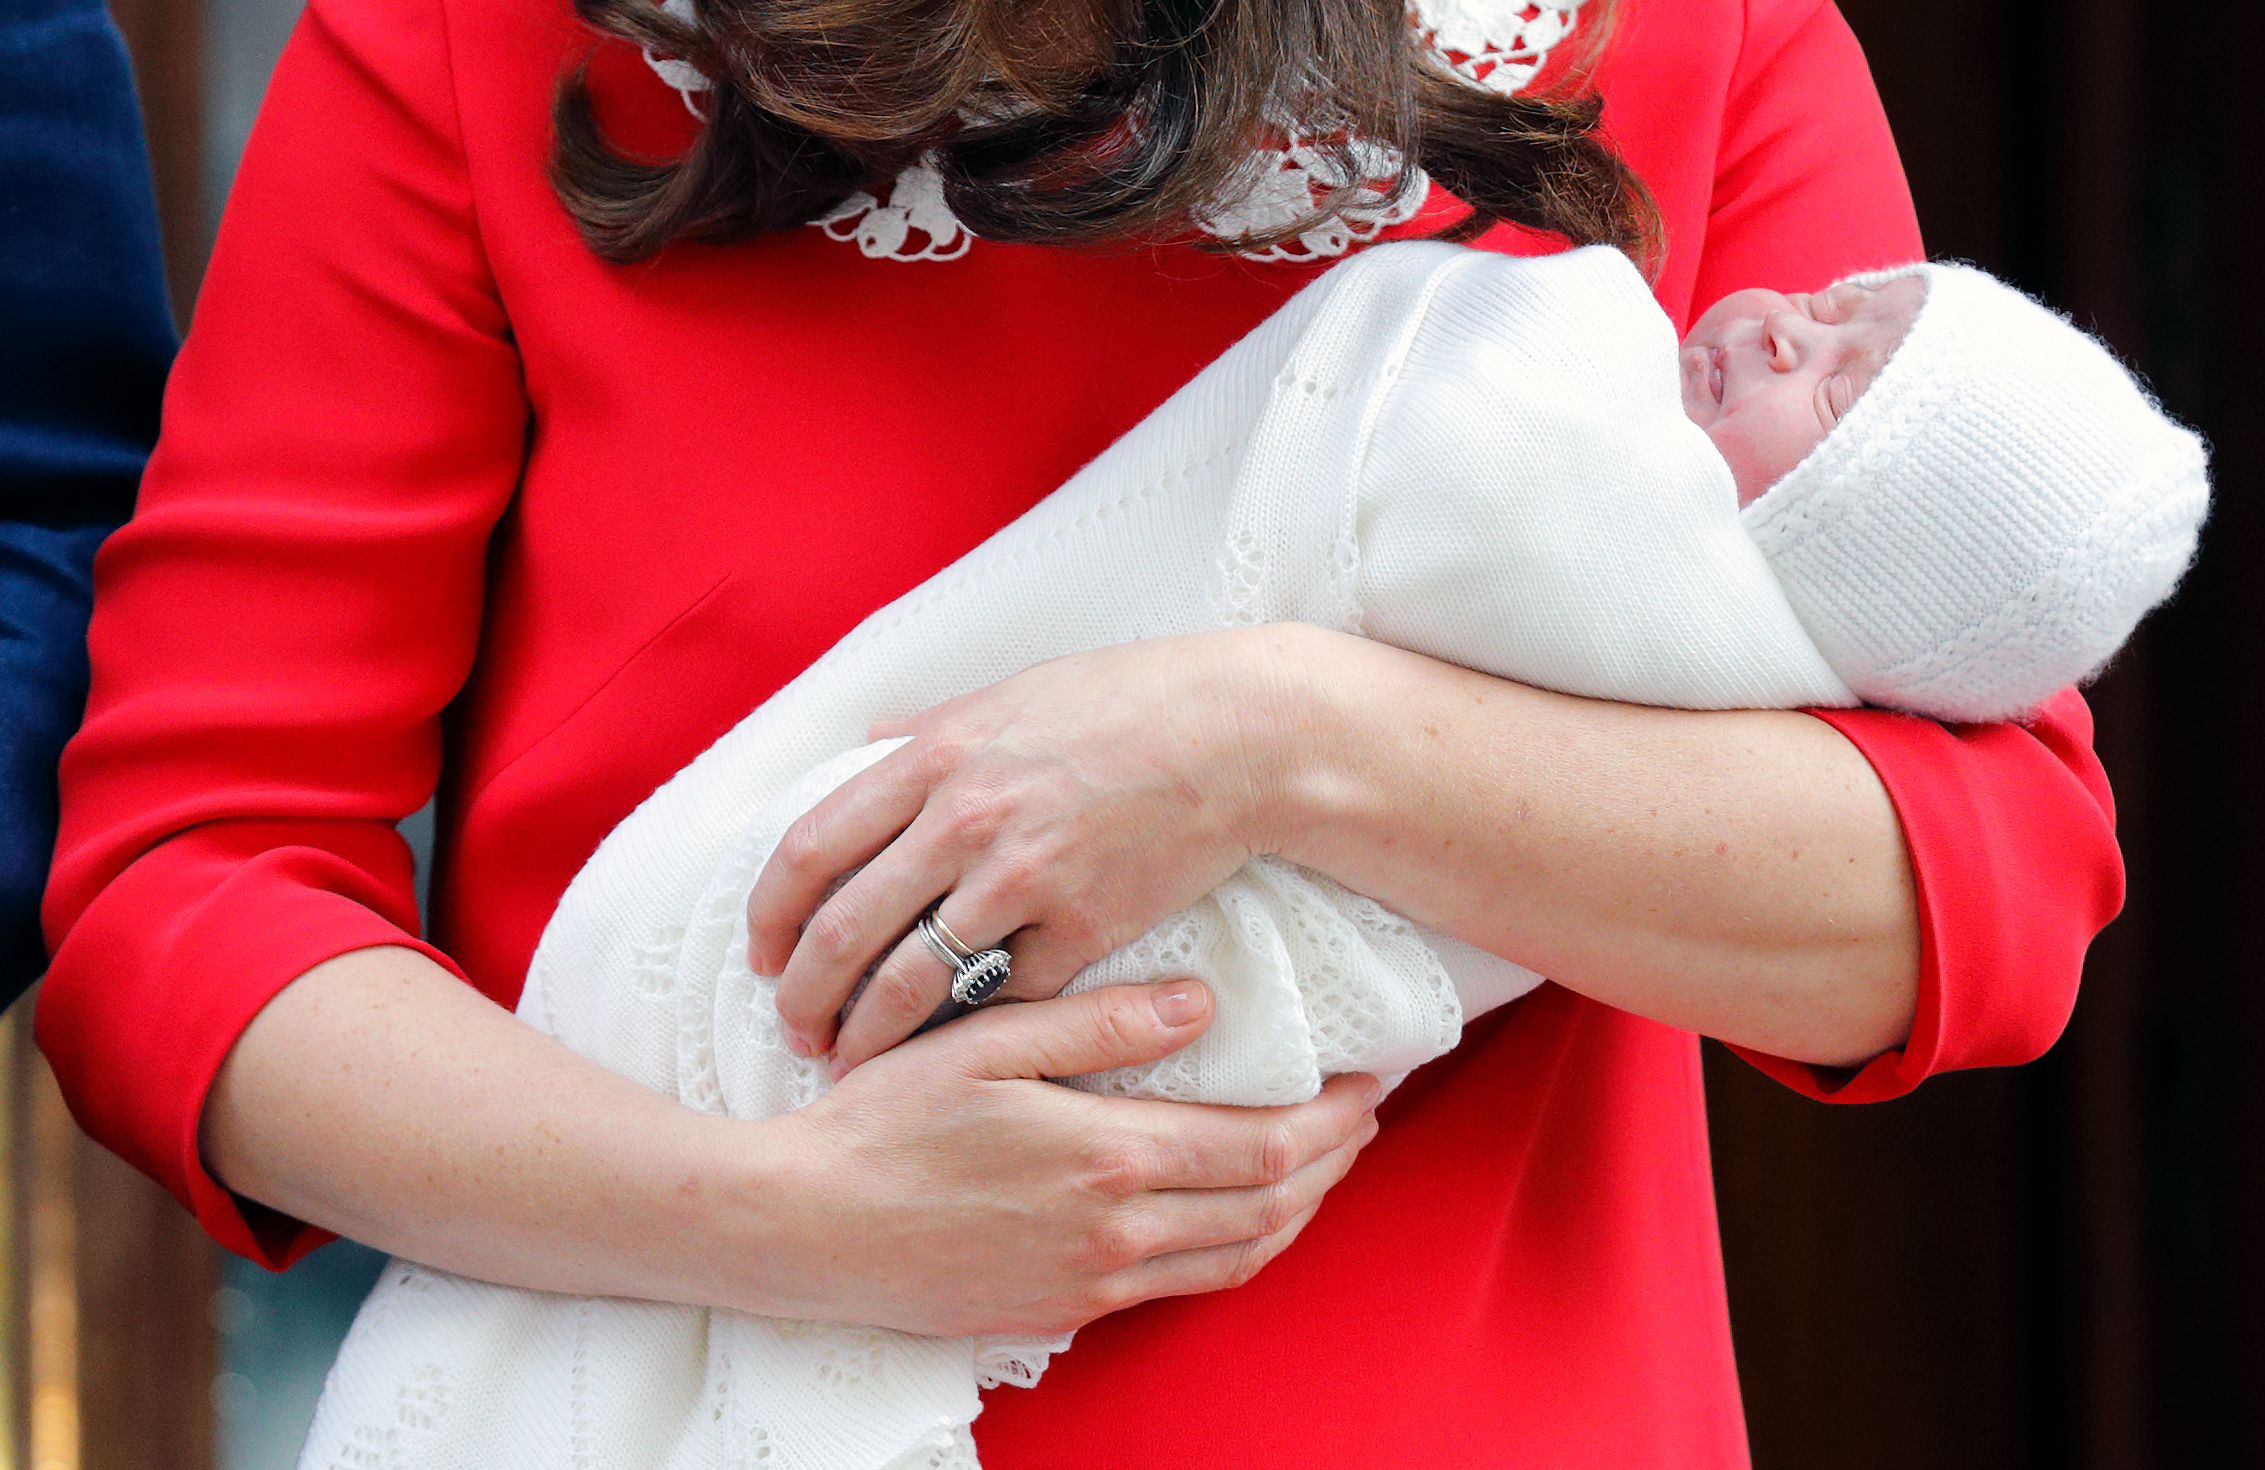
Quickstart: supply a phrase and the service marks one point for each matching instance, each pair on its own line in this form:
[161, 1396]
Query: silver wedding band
[977, 974]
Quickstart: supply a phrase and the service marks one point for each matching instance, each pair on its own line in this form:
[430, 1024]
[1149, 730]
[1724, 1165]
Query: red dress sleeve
[296, 600]
[2011, 828]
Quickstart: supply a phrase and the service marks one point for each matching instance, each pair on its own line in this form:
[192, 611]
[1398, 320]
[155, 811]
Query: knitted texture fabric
[1994, 515]
[1324, 470]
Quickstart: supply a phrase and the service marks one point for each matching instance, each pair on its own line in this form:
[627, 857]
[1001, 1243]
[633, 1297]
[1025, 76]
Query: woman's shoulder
[460, 93]
[487, 58]
[1738, 27]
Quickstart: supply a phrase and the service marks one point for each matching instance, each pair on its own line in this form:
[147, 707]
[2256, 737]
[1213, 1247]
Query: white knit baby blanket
[1482, 459]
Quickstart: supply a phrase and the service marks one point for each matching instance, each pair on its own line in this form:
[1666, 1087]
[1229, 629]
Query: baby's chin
[1755, 468]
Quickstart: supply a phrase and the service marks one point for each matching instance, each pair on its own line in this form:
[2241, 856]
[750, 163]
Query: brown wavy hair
[1078, 121]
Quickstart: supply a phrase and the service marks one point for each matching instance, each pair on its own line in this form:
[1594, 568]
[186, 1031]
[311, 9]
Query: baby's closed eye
[1836, 395]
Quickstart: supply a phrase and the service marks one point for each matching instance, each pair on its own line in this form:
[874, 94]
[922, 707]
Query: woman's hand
[1070, 807]
[939, 1189]
[986, 1200]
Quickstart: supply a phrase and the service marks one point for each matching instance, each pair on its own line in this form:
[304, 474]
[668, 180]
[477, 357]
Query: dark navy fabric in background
[85, 338]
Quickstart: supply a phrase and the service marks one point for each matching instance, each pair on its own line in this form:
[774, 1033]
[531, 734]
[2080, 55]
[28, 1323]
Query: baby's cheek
[1760, 450]
[1731, 445]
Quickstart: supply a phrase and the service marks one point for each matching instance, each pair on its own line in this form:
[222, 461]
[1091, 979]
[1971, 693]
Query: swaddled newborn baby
[1955, 503]
[1968, 500]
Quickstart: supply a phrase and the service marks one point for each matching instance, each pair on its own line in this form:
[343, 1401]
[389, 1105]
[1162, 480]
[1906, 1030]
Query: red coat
[441, 496]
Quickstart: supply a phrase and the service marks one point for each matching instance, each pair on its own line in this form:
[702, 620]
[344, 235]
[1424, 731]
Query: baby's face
[1767, 376]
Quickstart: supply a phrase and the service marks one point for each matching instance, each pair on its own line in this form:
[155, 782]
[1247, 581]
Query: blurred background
[2058, 1266]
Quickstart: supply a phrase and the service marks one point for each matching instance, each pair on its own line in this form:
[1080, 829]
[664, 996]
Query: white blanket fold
[1482, 459]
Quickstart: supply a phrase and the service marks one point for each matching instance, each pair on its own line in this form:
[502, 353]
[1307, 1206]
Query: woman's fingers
[1072, 806]
[914, 980]
[1120, 1026]
[1193, 1219]
[1160, 1145]
[1207, 1268]
[1201, 1146]
[1195, 1240]
[841, 832]
[857, 925]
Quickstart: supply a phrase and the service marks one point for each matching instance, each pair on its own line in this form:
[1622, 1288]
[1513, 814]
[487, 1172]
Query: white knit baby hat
[1938, 544]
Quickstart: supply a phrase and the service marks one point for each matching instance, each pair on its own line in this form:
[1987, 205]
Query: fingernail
[1178, 1003]
[799, 1044]
[837, 1069]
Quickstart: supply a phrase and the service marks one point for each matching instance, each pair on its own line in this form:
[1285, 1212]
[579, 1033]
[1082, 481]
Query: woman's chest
[821, 431]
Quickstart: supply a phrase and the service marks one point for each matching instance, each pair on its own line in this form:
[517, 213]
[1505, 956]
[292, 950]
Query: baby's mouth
[1714, 374]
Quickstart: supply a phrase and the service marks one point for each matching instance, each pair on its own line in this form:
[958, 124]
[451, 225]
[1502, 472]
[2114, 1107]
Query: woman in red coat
[444, 497]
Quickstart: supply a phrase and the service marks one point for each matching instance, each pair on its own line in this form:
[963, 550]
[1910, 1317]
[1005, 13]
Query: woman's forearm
[381, 1097]
[1742, 874]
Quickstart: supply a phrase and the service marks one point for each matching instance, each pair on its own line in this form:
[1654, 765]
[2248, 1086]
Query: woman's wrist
[381, 1098]
[1298, 705]
[723, 1224]
[1347, 728]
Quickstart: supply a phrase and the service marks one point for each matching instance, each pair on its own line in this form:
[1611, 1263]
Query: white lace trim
[1496, 44]
[688, 80]
[1301, 173]
[913, 223]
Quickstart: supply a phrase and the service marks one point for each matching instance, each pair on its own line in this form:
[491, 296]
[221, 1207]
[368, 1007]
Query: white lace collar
[1495, 44]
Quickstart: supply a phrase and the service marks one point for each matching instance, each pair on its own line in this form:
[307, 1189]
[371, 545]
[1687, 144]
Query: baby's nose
[1784, 333]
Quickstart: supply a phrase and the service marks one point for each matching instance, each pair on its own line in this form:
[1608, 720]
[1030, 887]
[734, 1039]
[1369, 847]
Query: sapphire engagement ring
[977, 974]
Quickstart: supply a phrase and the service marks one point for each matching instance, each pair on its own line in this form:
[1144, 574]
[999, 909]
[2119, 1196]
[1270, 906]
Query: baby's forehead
[1873, 321]
[1843, 296]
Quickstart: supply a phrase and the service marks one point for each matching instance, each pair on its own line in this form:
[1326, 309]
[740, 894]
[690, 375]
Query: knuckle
[938, 752]
[803, 848]
[1277, 1150]
[1116, 1295]
[831, 933]
[1018, 874]
[1111, 1246]
[1277, 1207]
[971, 817]
[1094, 1303]
[898, 993]
[1116, 1173]
[1122, 1021]
[1247, 1260]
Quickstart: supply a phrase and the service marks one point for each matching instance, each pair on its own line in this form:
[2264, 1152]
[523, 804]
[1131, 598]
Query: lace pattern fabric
[1498, 45]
